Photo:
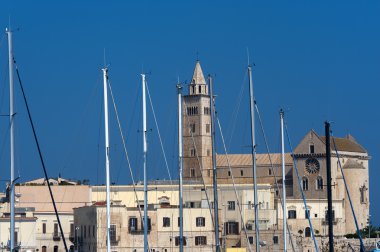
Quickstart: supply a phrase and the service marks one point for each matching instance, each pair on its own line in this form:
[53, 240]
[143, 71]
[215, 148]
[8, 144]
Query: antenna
[247, 55]
[104, 57]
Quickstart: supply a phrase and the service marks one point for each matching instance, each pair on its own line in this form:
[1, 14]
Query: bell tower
[197, 129]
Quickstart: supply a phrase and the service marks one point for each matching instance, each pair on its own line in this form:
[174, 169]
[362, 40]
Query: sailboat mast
[12, 147]
[252, 103]
[283, 179]
[107, 145]
[180, 164]
[215, 187]
[329, 191]
[145, 149]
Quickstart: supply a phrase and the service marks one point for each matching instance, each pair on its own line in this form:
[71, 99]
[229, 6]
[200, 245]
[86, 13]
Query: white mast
[145, 149]
[105, 90]
[180, 164]
[283, 179]
[252, 104]
[12, 158]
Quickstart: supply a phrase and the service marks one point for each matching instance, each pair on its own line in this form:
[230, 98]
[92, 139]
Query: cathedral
[309, 157]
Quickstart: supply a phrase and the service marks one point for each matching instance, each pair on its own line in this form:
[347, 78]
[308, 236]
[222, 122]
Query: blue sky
[318, 60]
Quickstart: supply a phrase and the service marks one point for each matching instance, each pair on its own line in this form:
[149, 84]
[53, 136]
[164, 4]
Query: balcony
[115, 240]
[56, 236]
[326, 222]
[72, 237]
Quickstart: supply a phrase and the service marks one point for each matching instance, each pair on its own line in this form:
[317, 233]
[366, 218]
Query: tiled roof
[246, 159]
[345, 144]
[352, 164]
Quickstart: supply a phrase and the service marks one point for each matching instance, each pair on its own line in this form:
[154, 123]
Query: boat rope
[301, 189]
[273, 170]
[233, 183]
[232, 125]
[362, 249]
[159, 134]
[126, 153]
[40, 154]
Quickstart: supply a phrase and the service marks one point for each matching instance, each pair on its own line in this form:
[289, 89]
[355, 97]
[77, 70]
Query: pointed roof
[198, 77]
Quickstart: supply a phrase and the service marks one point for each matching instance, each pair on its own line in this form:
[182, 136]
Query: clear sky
[318, 60]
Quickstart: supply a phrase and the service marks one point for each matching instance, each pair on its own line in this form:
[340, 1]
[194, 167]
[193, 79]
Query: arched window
[305, 184]
[319, 183]
[43, 248]
[307, 232]
[200, 89]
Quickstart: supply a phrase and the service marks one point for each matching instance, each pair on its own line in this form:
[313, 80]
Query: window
[231, 205]
[55, 249]
[55, 234]
[307, 232]
[44, 228]
[327, 217]
[192, 172]
[192, 128]
[319, 183]
[270, 171]
[241, 173]
[362, 195]
[207, 128]
[71, 229]
[231, 228]
[200, 240]
[200, 89]
[84, 230]
[307, 213]
[305, 184]
[206, 110]
[113, 233]
[250, 239]
[200, 221]
[292, 214]
[275, 239]
[43, 249]
[166, 222]
[132, 224]
[311, 148]
[16, 238]
[177, 241]
[192, 152]
[229, 173]
[149, 224]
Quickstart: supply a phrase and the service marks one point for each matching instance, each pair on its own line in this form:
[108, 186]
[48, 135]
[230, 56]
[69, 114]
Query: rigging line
[236, 110]
[40, 154]
[126, 152]
[198, 160]
[301, 189]
[348, 194]
[159, 134]
[272, 169]
[233, 183]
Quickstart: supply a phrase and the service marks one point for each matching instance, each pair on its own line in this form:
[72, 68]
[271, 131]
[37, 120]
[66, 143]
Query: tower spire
[198, 82]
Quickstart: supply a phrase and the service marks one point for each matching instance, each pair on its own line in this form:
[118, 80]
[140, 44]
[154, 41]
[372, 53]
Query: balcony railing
[56, 236]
